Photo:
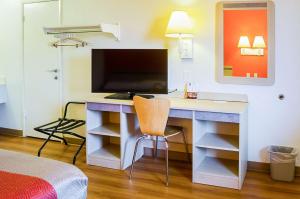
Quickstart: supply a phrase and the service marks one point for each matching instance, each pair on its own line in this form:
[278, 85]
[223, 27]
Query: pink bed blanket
[17, 186]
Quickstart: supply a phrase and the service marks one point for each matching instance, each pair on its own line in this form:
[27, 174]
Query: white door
[42, 88]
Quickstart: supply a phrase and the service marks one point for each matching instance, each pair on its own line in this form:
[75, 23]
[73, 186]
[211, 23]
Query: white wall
[11, 62]
[143, 23]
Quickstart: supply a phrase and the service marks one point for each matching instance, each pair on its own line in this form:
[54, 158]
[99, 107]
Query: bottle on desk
[190, 91]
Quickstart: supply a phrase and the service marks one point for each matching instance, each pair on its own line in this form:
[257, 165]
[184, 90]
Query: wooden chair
[153, 117]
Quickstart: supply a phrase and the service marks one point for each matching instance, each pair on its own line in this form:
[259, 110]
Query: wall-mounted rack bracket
[113, 29]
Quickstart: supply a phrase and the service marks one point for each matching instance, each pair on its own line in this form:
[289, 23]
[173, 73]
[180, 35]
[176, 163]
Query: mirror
[245, 46]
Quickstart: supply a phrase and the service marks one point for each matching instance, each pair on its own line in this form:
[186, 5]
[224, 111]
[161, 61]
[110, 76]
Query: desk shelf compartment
[108, 129]
[103, 136]
[219, 141]
[218, 172]
[104, 123]
[216, 167]
[217, 135]
[106, 151]
[218, 152]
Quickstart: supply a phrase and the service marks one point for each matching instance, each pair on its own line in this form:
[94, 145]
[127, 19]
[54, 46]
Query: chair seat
[172, 130]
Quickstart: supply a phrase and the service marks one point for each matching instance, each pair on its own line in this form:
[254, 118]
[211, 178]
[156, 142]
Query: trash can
[283, 162]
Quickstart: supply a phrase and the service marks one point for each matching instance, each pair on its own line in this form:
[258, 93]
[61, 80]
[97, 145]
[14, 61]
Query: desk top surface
[182, 104]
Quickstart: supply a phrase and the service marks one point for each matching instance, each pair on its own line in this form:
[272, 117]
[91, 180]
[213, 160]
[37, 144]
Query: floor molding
[265, 167]
[14, 132]
[261, 167]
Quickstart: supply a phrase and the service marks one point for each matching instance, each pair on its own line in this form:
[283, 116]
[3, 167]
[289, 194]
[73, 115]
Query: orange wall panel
[249, 23]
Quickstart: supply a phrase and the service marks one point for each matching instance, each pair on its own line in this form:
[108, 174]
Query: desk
[218, 137]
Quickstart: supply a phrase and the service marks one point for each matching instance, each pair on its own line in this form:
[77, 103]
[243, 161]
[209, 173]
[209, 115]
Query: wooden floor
[148, 181]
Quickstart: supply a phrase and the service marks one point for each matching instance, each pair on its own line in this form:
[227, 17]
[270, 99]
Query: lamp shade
[180, 25]
[244, 42]
[259, 42]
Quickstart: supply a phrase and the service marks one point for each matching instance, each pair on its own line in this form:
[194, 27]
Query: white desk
[218, 136]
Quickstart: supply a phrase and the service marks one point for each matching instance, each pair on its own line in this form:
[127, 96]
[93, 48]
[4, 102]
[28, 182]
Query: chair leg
[40, 150]
[186, 147]
[75, 156]
[134, 154]
[167, 162]
[156, 142]
[153, 149]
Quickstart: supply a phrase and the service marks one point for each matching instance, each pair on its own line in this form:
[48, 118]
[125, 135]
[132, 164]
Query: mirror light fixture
[180, 26]
[256, 50]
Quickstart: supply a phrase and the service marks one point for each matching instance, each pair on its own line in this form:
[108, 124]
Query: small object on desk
[185, 91]
[191, 92]
[192, 95]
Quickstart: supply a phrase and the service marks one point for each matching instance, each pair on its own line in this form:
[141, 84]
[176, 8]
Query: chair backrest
[152, 115]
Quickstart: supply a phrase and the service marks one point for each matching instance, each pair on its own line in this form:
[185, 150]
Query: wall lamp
[180, 26]
[256, 50]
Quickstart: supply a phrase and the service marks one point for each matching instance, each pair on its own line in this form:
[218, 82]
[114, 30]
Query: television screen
[130, 70]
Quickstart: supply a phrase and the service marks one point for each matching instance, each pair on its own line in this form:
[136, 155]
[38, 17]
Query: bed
[25, 176]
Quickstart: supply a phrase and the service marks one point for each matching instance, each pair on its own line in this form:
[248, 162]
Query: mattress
[26, 176]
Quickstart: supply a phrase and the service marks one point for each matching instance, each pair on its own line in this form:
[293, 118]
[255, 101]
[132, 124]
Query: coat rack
[64, 38]
[67, 33]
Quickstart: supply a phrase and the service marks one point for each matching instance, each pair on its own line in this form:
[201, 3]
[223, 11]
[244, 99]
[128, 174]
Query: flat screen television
[130, 71]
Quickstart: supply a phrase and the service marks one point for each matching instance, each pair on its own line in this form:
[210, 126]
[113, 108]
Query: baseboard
[259, 167]
[265, 167]
[14, 132]
[252, 166]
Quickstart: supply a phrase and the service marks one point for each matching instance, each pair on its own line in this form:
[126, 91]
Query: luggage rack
[62, 126]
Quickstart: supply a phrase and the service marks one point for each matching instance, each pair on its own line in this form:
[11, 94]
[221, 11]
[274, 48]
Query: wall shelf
[110, 28]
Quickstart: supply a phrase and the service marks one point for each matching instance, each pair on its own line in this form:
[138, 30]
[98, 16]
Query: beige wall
[143, 23]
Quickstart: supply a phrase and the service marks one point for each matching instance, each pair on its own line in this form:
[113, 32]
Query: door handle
[53, 71]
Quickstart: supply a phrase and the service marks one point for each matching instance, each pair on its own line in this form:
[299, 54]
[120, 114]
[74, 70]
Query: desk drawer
[218, 117]
[128, 109]
[177, 113]
[103, 107]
